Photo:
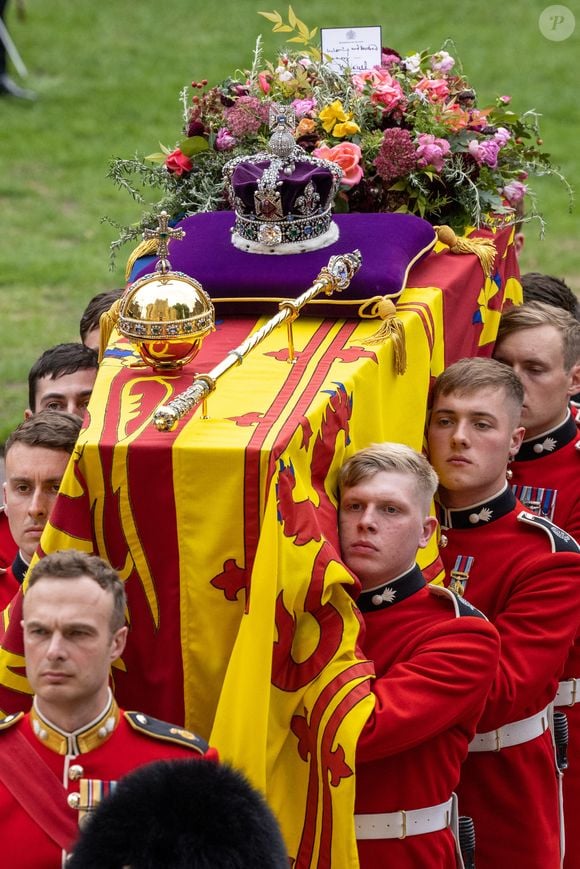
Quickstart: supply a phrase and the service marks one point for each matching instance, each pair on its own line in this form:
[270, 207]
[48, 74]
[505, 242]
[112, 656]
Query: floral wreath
[407, 134]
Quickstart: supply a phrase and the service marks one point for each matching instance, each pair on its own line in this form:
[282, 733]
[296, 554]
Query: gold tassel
[144, 248]
[107, 322]
[483, 248]
[391, 327]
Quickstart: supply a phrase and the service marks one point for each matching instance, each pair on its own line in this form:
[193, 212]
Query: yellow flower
[333, 114]
[348, 128]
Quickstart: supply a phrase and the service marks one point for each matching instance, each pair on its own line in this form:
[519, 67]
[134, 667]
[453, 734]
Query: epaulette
[9, 720]
[165, 731]
[560, 540]
[461, 606]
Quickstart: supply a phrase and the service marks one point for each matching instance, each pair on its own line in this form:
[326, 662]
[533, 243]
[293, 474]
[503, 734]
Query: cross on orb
[164, 233]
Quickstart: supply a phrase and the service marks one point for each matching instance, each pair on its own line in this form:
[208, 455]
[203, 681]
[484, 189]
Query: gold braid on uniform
[483, 248]
[391, 328]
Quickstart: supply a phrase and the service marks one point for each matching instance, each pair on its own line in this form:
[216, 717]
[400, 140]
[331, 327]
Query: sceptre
[336, 276]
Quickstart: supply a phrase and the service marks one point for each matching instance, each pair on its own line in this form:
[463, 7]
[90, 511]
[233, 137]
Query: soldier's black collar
[19, 568]
[391, 592]
[548, 441]
[480, 514]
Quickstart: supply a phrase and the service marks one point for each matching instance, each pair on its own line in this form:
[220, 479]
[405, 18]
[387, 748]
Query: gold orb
[166, 316]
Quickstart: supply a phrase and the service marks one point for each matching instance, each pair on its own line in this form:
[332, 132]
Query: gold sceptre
[336, 276]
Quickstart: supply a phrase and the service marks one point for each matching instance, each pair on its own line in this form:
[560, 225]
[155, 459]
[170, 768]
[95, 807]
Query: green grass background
[108, 77]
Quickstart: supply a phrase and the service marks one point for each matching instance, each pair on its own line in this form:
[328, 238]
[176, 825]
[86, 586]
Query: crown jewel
[282, 197]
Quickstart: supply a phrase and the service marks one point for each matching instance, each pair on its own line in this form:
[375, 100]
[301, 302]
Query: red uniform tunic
[546, 476]
[546, 479]
[433, 673]
[524, 573]
[8, 550]
[106, 750]
[9, 586]
[8, 547]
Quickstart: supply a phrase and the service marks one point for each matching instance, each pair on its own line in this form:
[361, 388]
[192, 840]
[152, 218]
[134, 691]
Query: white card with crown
[355, 48]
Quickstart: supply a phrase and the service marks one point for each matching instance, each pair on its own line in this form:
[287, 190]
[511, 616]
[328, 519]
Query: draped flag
[242, 617]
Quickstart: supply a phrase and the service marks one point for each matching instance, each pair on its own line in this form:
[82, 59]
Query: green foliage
[108, 77]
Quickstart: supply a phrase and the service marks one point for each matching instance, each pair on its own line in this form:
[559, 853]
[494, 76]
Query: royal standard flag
[242, 618]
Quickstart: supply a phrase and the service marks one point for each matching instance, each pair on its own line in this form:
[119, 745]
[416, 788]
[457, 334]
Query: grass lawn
[108, 77]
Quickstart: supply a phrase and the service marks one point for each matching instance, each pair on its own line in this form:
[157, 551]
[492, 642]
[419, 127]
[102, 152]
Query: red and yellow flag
[241, 613]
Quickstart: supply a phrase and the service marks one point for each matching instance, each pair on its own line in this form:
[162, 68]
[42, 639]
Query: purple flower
[502, 136]
[396, 156]
[224, 140]
[484, 152]
[442, 61]
[303, 107]
[514, 191]
[432, 151]
[195, 128]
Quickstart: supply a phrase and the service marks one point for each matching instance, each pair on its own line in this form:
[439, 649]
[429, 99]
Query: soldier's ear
[516, 440]
[429, 526]
[118, 643]
[574, 385]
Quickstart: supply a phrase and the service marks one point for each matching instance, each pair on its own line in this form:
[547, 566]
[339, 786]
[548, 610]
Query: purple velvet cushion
[248, 283]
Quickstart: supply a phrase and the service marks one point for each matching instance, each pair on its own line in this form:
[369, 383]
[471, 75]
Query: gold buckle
[404, 814]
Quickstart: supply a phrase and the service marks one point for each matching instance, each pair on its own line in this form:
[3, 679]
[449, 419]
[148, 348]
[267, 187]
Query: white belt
[399, 825]
[512, 734]
[568, 693]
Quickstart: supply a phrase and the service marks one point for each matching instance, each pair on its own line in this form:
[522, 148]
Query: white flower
[283, 74]
[412, 63]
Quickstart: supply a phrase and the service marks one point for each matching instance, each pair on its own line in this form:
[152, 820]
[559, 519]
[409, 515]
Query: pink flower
[484, 152]
[385, 91]
[246, 116]
[442, 61]
[432, 151]
[303, 107]
[177, 163]
[501, 136]
[505, 99]
[389, 57]
[435, 89]
[224, 140]
[348, 156]
[514, 192]
[263, 82]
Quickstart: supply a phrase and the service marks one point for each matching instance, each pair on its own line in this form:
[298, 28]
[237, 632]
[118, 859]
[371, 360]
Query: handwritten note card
[357, 48]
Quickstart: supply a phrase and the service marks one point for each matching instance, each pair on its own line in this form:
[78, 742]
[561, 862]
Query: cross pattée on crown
[164, 233]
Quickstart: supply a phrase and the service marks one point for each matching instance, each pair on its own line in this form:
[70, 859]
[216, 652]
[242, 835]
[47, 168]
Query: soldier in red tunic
[58, 760]
[435, 657]
[542, 344]
[36, 455]
[524, 573]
